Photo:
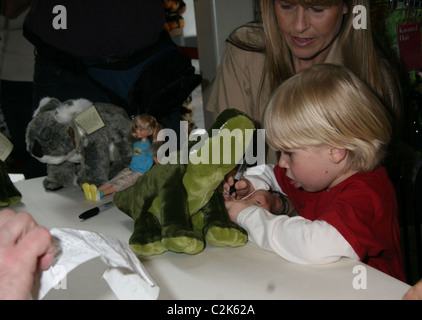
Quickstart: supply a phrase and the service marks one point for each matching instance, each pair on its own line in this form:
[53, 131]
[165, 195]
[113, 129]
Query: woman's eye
[285, 5]
[317, 10]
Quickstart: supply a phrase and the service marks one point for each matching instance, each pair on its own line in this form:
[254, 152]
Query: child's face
[313, 168]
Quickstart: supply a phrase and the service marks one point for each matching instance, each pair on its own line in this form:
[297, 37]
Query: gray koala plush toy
[73, 158]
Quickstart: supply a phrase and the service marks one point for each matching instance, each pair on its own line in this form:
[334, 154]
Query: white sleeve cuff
[262, 177]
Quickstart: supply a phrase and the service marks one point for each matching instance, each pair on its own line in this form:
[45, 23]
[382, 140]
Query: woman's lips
[303, 42]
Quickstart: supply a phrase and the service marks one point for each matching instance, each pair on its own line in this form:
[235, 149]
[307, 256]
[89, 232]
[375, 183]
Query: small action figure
[144, 131]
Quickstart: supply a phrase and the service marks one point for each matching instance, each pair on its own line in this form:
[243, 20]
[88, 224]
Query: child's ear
[337, 155]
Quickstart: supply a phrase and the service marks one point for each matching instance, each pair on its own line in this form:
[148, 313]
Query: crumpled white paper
[125, 274]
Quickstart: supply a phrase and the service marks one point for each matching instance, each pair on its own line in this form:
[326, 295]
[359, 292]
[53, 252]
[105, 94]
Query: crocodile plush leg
[177, 231]
[219, 230]
[146, 236]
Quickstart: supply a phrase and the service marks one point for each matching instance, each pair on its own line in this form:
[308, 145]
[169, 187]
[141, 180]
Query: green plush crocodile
[9, 194]
[179, 207]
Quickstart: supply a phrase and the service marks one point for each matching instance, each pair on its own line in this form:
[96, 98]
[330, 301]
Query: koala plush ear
[46, 104]
[69, 109]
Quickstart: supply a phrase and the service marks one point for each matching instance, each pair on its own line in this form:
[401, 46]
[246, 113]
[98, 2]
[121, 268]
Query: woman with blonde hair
[293, 35]
[332, 132]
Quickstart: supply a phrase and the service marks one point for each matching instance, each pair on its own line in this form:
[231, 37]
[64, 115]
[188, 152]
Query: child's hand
[243, 187]
[235, 206]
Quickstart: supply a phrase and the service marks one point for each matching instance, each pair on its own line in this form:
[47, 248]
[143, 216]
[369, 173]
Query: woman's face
[309, 31]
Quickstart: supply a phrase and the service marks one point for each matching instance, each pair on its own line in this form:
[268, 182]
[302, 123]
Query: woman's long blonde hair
[327, 104]
[360, 52]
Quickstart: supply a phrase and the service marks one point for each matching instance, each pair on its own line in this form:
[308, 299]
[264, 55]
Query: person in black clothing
[98, 49]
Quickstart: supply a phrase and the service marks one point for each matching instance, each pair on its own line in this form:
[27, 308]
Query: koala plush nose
[37, 150]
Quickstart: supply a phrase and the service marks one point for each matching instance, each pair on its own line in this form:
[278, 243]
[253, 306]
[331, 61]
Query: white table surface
[246, 272]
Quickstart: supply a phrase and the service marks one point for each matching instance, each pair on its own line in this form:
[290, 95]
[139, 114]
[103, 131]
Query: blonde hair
[359, 49]
[146, 121]
[329, 105]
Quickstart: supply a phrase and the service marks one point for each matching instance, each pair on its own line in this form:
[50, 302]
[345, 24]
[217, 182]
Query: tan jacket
[237, 83]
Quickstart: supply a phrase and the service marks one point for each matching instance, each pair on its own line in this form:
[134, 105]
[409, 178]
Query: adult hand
[415, 292]
[25, 249]
[267, 200]
[260, 198]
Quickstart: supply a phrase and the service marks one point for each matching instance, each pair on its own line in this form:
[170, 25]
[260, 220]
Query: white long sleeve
[296, 239]
[262, 177]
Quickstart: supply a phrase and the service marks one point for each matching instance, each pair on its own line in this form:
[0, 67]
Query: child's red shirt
[363, 208]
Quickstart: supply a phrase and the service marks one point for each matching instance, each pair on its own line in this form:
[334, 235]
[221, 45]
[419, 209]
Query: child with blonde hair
[333, 133]
[144, 131]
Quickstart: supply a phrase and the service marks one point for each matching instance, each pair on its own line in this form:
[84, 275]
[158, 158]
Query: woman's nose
[301, 21]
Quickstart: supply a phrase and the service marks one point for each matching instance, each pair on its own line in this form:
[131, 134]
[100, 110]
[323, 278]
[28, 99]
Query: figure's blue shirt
[142, 158]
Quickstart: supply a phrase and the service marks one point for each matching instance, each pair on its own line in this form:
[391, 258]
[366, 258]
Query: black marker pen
[240, 171]
[94, 211]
